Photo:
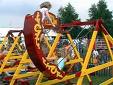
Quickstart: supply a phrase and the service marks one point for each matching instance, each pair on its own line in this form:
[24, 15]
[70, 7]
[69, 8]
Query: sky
[12, 12]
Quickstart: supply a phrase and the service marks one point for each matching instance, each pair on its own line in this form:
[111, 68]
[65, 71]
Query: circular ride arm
[32, 27]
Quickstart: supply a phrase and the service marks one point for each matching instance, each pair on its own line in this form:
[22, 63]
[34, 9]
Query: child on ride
[44, 9]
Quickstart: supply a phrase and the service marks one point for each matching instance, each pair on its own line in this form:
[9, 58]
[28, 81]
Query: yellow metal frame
[84, 63]
[3, 42]
[25, 60]
[17, 43]
[72, 62]
[9, 54]
[84, 71]
[17, 75]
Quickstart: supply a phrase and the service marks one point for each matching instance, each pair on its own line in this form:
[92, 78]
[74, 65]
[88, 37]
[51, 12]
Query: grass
[96, 80]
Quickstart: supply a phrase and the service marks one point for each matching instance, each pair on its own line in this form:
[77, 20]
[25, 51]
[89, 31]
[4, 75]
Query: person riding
[44, 9]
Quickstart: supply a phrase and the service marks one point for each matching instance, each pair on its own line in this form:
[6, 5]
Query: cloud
[12, 12]
[15, 7]
[11, 21]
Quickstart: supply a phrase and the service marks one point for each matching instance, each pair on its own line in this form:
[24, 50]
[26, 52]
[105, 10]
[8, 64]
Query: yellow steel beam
[88, 54]
[40, 77]
[48, 44]
[54, 45]
[108, 45]
[51, 82]
[89, 50]
[19, 68]
[110, 39]
[9, 54]
[94, 69]
[46, 40]
[74, 61]
[12, 69]
[17, 43]
[76, 52]
[16, 75]
[108, 82]
[9, 69]
[108, 36]
[26, 61]
[28, 74]
[3, 42]
[74, 46]
[15, 57]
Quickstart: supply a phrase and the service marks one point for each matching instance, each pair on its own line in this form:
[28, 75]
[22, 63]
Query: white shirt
[43, 11]
[95, 53]
[61, 63]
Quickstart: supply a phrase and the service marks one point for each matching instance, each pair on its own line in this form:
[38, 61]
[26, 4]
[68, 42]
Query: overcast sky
[12, 12]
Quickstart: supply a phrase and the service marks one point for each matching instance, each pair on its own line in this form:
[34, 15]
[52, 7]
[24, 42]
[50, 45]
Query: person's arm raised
[47, 14]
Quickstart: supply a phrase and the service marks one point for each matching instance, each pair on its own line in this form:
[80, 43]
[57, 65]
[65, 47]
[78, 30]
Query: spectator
[95, 57]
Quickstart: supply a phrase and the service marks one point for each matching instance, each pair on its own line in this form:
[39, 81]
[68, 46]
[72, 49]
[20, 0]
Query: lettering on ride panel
[54, 71]
[37, 33]
[37, 28]
[52, 68]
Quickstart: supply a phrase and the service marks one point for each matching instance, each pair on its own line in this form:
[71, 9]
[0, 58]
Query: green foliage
[67, 15]
[101, 11]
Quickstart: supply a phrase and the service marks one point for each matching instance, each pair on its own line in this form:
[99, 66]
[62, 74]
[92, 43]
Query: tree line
[96, 11]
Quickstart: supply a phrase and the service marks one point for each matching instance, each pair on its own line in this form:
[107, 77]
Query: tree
[101, 11]
[67, 15]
